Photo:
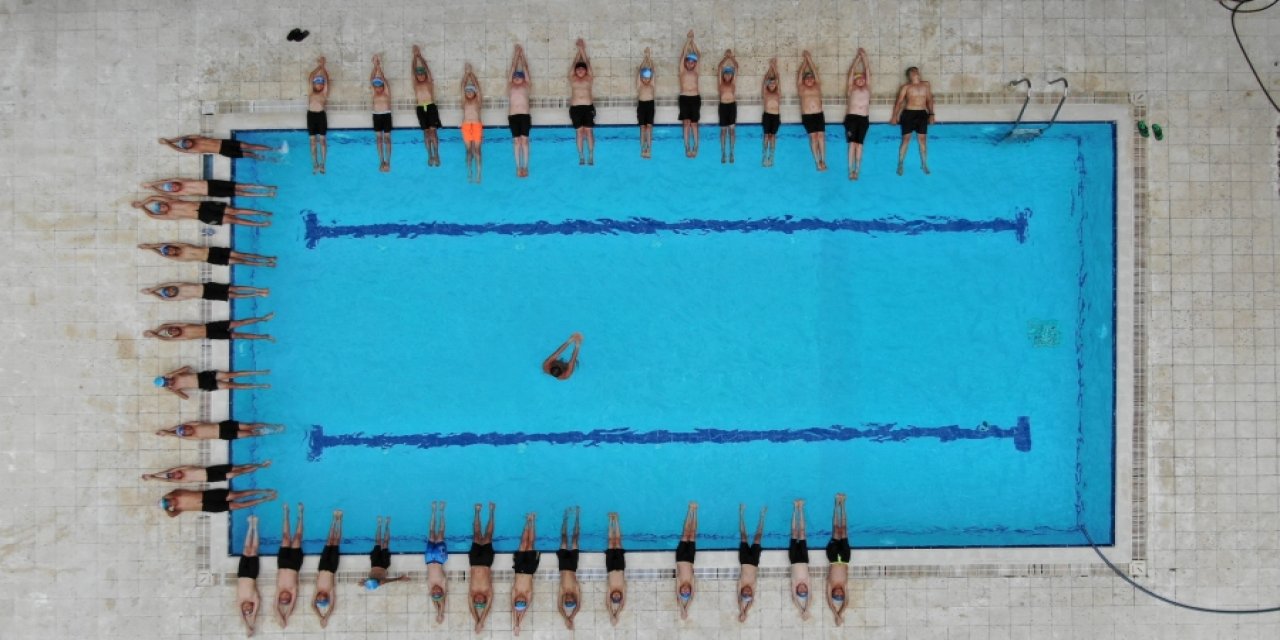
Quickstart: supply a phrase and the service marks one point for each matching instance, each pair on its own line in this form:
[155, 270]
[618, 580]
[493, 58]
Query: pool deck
[89, 86]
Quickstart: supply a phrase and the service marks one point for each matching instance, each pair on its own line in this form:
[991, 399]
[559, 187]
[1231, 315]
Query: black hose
[1236, 10]
[1161, 598]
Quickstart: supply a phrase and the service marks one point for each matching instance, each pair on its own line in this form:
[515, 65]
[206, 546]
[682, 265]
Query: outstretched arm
[377, 69]
[647, 63]
[320, 72]
[580, 55]
[419, 61]
[866, 65]
[514, 66]
[689, 47]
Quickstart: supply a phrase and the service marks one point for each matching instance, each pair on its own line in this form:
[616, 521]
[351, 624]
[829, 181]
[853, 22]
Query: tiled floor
[86, 87]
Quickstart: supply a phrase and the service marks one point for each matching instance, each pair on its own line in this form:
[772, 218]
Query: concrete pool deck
[89, 86]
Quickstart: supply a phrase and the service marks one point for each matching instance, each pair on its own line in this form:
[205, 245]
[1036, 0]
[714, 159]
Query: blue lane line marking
[316, 231]
[1020, 433]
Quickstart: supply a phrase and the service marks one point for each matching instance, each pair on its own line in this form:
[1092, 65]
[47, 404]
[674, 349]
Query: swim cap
[167, 250]
[160, 381]
[421, 71]
[371, 584]
[164, 292]
[747, 598]
[318, 80]
[521, 605]
[518, 74]
[471, 88]
[185, 143]
[571, 605]
[481, 605]
[646, 72]
[728, 70]
[808, 74]
[837, 597]
[377, 82]
[164, 504]
[803, 596]
[684, 596]
[437, 597]
[154, 207]
[322, 602]
[692, 57]
[184, 430]
[169, 186]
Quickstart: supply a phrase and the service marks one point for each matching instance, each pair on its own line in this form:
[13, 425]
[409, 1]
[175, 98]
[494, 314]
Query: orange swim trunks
[472, 132]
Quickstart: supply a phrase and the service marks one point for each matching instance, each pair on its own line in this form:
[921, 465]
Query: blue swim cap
[728, 70]
[160, 380]
[164, 504]
[185, 143]
[747, 598]
[518, 74]
[437, 597]
[371, 584]
[164, 292]
[837, 597]
[377, 82]
[646, 72]
[692, 57]
[470, 88]
[684, 596]
[322, 602]
[166, 250]
[318, 80]
[521, 605]
[169, 186]
[572, 604]
[154, 207]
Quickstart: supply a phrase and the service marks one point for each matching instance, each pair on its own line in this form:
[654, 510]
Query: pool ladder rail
[1025, 134]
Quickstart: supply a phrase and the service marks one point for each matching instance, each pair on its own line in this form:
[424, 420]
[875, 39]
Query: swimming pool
[939, 347]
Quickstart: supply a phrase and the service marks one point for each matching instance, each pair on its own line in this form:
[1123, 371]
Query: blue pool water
[938, 347]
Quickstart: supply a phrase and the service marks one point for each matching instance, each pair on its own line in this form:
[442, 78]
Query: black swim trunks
[568, 559]
[814, 122]
[219, 255]
[207, 380]
[221, 189]
[428, 117]
[686, 550]
[838, 551]
[690, 108]
[317, 123]
[382, 122]
[525, 562]
[615, 560]
[210, 212]
[798, 552]
[329, 558]
[229, 430]
[481, 555]
[914, 121]
[217, 473]
[855, 128]
[216, 291]
[214, 501]
[289, 558]
[582, 116]
[380, 558]
[520, 124]
[770, 122]
[220, 330]
[248, 567]
[644, 112]
[231, 149]
[728, 114]
[749, 554]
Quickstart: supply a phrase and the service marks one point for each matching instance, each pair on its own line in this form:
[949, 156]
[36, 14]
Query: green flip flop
[1142, 129]
[1159, 133]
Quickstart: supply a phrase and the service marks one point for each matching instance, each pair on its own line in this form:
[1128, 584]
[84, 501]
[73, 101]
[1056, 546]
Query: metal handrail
[1065, 87]
[1024, 102]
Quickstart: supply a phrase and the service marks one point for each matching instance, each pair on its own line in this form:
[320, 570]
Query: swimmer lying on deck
[248, 600]
[220, 330]
[215, 146]
[213, 500]
[225, 430]
[798, 554]
[211, 188]
[562, 369]
[838, 555]
[380, 557]
[567, 557]
[215, 473]
[525, 563]
[480, 582]
[288, 564]
[437, 554]
[749, 558]
[183, 252]
[209, 212]
[615, 564]
[686, 550]
[326, 597]
[179, 381]
[175, 291]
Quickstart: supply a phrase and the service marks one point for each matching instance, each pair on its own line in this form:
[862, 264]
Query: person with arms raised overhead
[317, 118]
[218, 291]
[326, 597]
[798, 555]
[215, 146]
[728, 88]
[183, 252]
[248, 599]
[210, 188]
[771, 119]
[525, 563]
[569, 600]
[749, 558]
[288, 564]
[560, 368]
[480, 582]
[857, 117]
[225, 430]
[811, 115]
[690, 96]
[214, 473]
[381, 113]
[424, 94]
[686, 550]
[210, 212]
[615, 564]
[519, 88]
[913, 111]
[218, 330]
[582, 110]
[472, 126]
[645, 103]
[838, 554]
[436, 556]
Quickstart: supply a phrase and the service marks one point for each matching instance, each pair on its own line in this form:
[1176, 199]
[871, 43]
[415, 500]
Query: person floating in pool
[749, 558]
[220, 330]
[645, 103]
[215, 146]
[582, 110]
[215, 473]
[838, 554]
[857, 115]
[326, 597]
[472, 125]
[690, 97]
[519, 86]
[183, 252]
[525, 563]
[913, 111]
[437, 554]
[213, 500]
[728, 110]
[560, 369]
[798, 555]
[381, 113]
[686, 550]
[480, 582]
[771, 119]
[218, 291]
[210, 188]
[317, 119]
[380, 557]
[225, 430]
[209, 212]
[424, 95]
[569, 600]
[179, 381]
[809, 87]
[288, 564]
[615, 563]
[248, 599]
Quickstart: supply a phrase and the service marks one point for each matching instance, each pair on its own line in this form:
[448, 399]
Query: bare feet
[925, 168]
[899, 168]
